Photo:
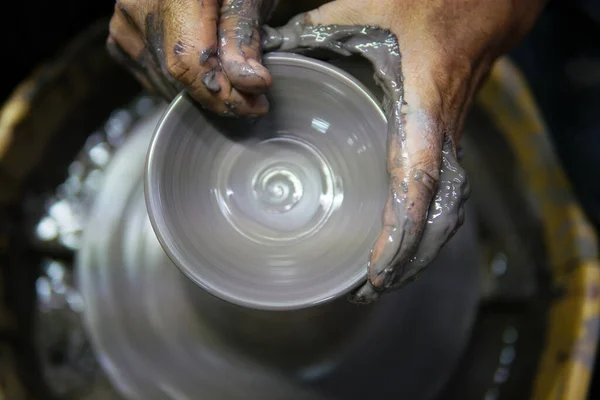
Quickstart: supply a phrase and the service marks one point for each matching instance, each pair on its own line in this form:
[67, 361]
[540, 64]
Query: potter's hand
[211, 48]
[447, 48]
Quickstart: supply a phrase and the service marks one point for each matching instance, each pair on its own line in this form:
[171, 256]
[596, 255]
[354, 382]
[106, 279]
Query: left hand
[209, 48]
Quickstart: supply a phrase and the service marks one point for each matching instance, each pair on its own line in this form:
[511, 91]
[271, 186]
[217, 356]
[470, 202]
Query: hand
[210, 48]
[430, 57]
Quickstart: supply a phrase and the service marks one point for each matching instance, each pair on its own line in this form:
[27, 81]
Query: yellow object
[567, 360]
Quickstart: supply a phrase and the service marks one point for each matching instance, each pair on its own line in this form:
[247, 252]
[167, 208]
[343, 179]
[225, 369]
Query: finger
[414, 151]
[134, 12]
[239, 45]
[124, 30]
[415, 131]
[432, 113]
[446, 214]
[126, 46]
[190, 51]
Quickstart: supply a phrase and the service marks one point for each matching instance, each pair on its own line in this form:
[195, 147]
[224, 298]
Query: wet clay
[210, 49]
[412, 235]
[239, 30]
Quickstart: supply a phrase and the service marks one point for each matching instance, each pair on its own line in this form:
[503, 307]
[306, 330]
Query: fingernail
[258, 68]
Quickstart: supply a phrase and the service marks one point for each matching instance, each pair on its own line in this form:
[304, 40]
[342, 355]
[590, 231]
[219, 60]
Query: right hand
[430, 57]
[210, 48]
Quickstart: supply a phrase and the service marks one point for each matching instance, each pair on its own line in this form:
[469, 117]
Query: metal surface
[280, 213]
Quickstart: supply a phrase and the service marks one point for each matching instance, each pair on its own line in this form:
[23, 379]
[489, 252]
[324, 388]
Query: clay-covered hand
[211, 48]
[430, 57]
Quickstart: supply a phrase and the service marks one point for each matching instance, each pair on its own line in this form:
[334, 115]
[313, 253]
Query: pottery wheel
[153, 343]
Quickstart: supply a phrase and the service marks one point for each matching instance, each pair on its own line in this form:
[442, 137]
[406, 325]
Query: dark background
[33, 31]
[561, 59]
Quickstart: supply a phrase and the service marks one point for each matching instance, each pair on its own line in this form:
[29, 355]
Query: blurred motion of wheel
[537, 321]
[43, 126]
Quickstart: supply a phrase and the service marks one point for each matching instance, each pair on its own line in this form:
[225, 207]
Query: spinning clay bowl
[279, 212]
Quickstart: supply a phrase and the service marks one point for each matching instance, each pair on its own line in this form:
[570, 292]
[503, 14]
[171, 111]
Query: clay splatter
[411, 236]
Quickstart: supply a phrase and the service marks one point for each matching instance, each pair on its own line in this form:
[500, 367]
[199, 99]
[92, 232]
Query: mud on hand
[210, 48]
[428, 187]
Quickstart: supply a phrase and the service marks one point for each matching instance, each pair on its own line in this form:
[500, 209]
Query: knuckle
[123, 10]
[180, 70]
[427, 177]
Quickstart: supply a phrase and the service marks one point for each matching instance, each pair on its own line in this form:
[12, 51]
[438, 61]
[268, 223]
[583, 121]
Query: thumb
[414, 148]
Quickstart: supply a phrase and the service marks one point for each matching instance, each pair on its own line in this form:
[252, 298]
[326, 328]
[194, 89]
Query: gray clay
[411, 242]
